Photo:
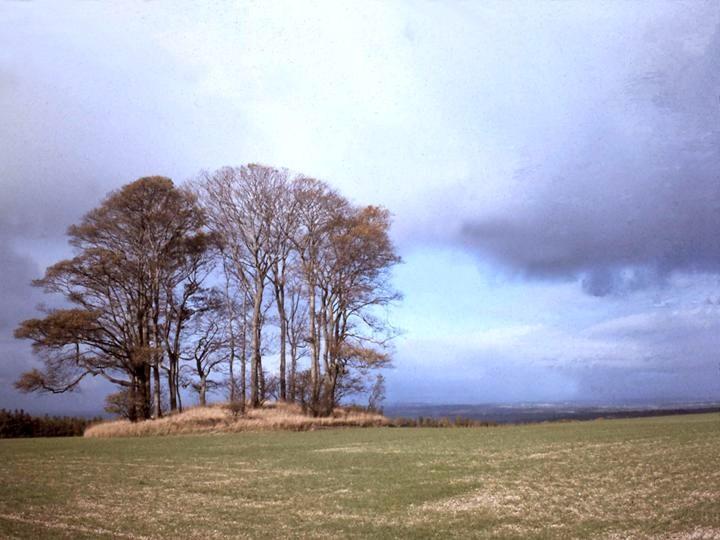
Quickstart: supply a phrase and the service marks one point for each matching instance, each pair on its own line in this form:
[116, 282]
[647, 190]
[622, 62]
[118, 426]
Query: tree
[128, 254]
[377, 394]
[354, 280]
[284, 230]
[317, 206]
[120, 404]
[208, 347]
[297, 321]
[236, 304]
[243, 209]
[139, 306]
[186, 298]
[345, 256]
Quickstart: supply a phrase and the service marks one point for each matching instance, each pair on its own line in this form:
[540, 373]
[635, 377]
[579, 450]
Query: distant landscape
[518, 413]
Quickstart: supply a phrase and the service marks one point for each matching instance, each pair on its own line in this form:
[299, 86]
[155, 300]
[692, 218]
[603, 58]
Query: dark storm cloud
[631, 191]
[15, 273]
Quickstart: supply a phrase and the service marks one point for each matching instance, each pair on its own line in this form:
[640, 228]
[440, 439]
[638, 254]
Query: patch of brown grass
[219, 419]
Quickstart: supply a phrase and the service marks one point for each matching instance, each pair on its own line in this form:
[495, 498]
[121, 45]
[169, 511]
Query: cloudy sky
[553, 169]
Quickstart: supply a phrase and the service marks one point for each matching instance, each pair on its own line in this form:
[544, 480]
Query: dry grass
[219, 419]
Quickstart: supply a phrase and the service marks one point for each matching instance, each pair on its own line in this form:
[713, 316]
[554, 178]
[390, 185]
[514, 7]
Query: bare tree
[185, 297]
[236, 322]
[316, 206]
[297, 324]
[242, 209]
[285, 230]
[208, 347]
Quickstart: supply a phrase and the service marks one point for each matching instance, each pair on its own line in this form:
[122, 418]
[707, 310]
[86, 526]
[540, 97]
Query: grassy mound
[219, 419]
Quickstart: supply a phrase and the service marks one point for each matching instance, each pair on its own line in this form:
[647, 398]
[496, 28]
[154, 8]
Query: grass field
[638, 478]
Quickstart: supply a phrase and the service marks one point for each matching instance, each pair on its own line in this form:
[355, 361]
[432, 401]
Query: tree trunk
[261, 382]
[329, 387]
[231, 329]
[203, 391]
[179, 398]
[156, 380]
[293, 371]
[315, 360]
[177, 386]
[324, 323]
[243, 376]
[172, 379]
[280, 301]
[146, 394]
[256, 337]
[243, 359]
[133, 401]
[141, 391]
[231, 372]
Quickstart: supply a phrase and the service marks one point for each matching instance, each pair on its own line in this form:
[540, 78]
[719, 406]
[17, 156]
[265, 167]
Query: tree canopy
[169, 286]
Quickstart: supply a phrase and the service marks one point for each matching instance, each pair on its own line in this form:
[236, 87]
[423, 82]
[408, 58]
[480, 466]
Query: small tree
[120, 404]
[377, 394]
[207, 347]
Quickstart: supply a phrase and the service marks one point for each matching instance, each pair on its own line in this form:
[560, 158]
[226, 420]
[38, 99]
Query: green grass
[652, 477]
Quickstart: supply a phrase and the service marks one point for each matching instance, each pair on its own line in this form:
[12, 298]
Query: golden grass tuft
[219, 419]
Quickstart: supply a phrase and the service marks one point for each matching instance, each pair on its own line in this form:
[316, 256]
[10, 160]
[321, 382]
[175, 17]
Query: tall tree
[345, 256]
[354, 280]
[242, 207]
[284, 230]
[185, 298]
[126, 251]
[316, 207]
[236, 334]
[297, 322]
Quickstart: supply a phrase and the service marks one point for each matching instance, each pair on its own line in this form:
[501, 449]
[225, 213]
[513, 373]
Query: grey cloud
[16, 271]
[19, 300]
[631, 192]
[606, 281]
[18, 303]
[648, 384]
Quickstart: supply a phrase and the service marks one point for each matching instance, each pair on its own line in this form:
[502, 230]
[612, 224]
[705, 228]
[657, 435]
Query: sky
[553, 169]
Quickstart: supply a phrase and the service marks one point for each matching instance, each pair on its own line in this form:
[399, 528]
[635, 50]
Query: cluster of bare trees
[170, 287]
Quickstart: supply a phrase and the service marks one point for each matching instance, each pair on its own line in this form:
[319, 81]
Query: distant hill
[543, 412]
